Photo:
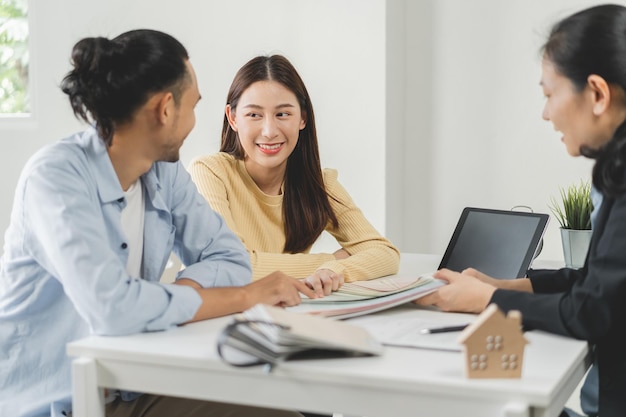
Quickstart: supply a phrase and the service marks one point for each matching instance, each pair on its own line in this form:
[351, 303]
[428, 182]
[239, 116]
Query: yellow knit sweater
[257, 219]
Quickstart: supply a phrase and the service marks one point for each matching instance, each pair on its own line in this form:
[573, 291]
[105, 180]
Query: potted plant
[573, 213]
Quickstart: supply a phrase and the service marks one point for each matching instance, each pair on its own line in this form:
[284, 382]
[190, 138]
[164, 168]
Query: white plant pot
[575, 246]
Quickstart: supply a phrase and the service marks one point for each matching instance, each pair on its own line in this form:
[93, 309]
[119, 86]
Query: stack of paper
[364, 297]
[406, 327]
[379, 287]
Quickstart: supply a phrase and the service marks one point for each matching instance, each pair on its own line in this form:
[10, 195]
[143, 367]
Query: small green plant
[574, 209]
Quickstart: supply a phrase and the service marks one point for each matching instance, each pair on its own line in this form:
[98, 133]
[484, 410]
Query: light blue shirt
[63, 271]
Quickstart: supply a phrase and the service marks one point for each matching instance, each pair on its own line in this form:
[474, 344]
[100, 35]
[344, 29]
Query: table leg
[516, 409]
[87, 397]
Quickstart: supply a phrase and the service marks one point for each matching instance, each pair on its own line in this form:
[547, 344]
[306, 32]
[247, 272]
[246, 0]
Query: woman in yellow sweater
[267, 183]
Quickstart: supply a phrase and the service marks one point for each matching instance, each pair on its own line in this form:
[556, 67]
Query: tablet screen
[499, 243]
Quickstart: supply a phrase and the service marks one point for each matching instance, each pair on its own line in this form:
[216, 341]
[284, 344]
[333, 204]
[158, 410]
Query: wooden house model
[494, 344]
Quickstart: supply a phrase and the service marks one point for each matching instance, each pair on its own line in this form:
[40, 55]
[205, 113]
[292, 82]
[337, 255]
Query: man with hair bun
[94, 220]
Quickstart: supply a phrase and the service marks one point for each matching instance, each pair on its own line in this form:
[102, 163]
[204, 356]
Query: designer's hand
[278, 289]
[464, 293]
[324, 281]
[517, 284]
[481, 276]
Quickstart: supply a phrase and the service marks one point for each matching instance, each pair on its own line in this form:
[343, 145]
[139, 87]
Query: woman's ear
[601, 93]
[230, 115]
[302, 120]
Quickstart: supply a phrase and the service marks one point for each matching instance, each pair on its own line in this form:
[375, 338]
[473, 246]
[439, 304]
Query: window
[14, 57]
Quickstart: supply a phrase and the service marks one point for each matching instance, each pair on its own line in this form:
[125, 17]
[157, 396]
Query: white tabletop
[184, 362]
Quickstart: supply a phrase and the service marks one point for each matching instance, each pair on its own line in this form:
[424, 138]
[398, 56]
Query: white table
[183, 362]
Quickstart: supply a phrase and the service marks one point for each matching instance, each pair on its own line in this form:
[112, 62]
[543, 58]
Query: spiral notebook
[267, 334]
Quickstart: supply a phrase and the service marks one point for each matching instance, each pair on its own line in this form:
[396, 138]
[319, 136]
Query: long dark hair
[112, 78]
[593, 41]
[306, 208]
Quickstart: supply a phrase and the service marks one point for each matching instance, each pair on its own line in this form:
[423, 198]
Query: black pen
[444, 329]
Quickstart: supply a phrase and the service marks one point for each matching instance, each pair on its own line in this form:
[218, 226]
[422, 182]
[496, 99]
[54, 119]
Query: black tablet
[500, 243]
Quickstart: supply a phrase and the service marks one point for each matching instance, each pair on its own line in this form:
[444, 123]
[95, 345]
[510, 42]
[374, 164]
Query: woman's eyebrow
[279, 106]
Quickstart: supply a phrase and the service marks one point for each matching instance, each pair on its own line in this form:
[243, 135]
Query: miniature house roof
[492, 319]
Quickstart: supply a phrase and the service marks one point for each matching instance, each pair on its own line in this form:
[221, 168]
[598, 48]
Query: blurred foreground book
[266, 334]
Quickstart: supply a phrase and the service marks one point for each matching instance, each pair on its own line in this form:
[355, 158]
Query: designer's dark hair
[306, 208]
[593, 41]
[112, 78]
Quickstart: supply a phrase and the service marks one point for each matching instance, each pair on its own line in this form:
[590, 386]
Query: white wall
[424, 106]
[337, 46]
[490, 146]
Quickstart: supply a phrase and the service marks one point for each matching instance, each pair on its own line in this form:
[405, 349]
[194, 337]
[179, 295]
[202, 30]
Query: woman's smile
[270, 148]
